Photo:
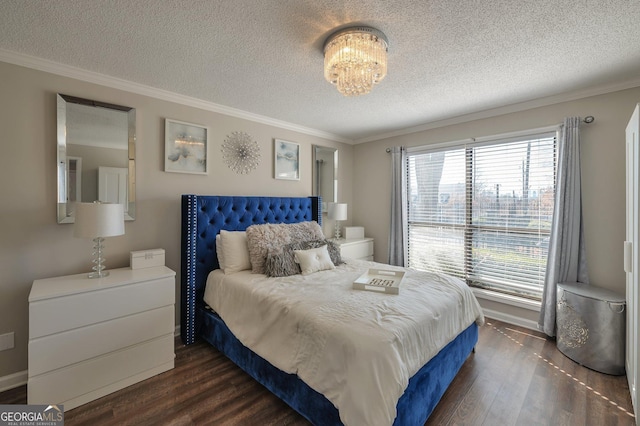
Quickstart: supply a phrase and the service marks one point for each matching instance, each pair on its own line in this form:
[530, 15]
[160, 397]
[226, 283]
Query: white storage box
[353, 232]
[147, 258]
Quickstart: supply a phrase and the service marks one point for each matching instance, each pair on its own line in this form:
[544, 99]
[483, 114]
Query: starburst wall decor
[241, 153]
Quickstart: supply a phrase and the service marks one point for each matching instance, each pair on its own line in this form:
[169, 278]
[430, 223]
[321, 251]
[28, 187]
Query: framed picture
[286, 160]
[185, 147]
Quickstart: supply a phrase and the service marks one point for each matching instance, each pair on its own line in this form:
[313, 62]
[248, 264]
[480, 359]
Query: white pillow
[235, 251]
[313, 260]
[219, 252]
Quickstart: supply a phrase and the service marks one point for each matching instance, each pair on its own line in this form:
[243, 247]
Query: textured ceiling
[446, 58]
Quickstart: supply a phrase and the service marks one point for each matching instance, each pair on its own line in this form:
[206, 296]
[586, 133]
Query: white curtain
[567, 261]
[398, 203]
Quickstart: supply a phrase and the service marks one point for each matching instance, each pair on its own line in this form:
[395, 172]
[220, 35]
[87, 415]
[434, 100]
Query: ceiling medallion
[241, 153]
[355, 59]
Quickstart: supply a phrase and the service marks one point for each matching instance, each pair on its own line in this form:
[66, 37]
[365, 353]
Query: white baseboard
[511, 319]
[13, 380]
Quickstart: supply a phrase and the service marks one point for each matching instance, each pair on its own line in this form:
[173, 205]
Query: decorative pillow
[333, 248]
[281, 263]
[263, 238]
[235, 251]
[314, 260]
[219, 252]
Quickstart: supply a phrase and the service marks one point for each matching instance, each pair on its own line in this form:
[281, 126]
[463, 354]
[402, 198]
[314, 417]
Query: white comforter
[357, 348]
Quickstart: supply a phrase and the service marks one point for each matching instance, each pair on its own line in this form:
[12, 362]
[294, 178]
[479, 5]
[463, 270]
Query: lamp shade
[95, 220]
[337, 211]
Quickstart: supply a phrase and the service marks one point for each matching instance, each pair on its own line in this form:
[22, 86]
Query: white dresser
[91, 337]
[357, 248]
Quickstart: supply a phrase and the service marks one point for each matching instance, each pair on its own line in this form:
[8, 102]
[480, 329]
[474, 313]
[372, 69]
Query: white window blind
[483, 212]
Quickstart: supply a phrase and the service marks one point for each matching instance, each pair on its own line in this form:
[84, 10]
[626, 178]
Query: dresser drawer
[62, 349]
[62, 385]
[88, 308]
[90, 337]
[360, 250]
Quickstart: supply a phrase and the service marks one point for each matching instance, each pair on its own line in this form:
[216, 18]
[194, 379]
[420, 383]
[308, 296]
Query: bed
[203, 218]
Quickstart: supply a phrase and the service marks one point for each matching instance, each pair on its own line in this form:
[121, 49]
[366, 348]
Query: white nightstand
[357, 248]
[91, 337]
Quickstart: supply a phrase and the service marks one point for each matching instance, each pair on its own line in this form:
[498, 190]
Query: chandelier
[355, 59]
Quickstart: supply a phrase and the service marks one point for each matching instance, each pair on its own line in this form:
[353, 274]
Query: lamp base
[98, 269]
[337, 235]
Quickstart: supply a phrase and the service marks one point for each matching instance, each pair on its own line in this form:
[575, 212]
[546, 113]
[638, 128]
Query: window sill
[520, 302]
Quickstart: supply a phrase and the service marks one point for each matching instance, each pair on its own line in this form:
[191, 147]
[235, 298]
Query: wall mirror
[96, 155]
[325, 174]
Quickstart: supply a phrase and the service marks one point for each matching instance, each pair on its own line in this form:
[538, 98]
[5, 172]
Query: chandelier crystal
[355, 59]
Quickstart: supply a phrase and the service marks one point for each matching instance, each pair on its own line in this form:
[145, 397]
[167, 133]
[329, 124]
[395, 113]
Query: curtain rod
[588, 120]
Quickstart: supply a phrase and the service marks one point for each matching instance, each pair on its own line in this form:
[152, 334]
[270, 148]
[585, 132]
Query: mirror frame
[317, 149]
[65, 215]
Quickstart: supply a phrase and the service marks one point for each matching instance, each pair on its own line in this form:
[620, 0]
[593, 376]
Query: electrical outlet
[6, 341]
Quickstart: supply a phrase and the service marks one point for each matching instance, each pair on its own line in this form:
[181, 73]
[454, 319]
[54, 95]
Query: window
[482, 211]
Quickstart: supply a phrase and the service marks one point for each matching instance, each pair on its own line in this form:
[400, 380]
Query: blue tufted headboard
[202, 219]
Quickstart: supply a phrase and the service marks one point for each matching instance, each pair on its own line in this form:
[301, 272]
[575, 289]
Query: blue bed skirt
[414, 407]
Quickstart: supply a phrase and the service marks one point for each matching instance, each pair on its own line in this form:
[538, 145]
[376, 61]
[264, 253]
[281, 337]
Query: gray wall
[603, 176]
[34, 246]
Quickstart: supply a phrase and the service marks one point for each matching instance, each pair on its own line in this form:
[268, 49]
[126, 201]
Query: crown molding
[507, 109]
[64, 70]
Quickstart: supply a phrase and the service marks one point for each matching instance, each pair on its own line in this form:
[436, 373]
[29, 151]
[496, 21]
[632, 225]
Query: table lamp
[337, 212]
[96, 221]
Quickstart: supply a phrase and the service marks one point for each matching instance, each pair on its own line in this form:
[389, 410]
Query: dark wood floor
[516, 377]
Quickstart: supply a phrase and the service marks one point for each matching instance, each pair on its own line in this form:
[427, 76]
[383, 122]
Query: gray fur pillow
[270, 237]
[281, 263]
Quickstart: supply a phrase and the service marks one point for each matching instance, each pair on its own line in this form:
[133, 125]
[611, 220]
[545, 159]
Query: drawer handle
[617, 308]
[628, 255]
